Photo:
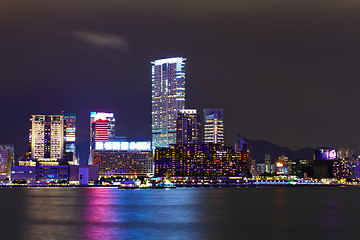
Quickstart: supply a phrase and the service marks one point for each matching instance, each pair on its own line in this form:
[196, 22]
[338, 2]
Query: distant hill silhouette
[259, 148]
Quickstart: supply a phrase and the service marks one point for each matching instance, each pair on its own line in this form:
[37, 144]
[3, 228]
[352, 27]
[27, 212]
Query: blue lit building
[168, 97]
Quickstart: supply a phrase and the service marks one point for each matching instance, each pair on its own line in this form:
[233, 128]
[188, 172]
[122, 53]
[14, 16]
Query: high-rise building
[6, 160]
[188, 127]
[102, 128]
[213, 126]
[47, 137]
[70, 136]
[241, 144]
[168, 97]
[267, 163]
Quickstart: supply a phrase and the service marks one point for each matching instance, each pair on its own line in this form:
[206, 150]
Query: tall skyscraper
[70, 136]
[188, 127]
[213, 126]
[102, 127]
[267, 160]
[168, 97]
[47, 136]
[6, 160]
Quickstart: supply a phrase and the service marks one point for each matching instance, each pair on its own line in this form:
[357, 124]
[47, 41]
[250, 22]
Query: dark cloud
[107, 40]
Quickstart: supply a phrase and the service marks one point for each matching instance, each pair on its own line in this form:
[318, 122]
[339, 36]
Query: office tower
[213, 126]
[168, 97]
[6, 160]
[70, 136]
[47, 137]
[268, 163]
[188, 127]
[241, 144]
[102, 127]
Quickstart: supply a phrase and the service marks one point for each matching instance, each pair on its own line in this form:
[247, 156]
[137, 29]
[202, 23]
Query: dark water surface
[182, 213]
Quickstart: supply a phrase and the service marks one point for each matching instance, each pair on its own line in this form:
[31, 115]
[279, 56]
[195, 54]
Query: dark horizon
[283, 72]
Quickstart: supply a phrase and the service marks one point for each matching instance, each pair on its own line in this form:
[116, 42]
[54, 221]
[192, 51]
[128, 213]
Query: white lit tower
[213, 126]
[47, 137]
[168, 97]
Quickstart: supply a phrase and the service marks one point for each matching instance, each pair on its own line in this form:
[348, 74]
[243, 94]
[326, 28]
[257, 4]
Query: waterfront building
[168, 97]
[102, 129]
[213, 126]
[324, 159]
[23, 173]
[47, 137]
[344, 169]
[188, 127]
[55, 173]
[282, 165]
[49, 173]
[267, 160]
[123, 159]
[70, 137]
[6, 160]
[356, 169]
[199, 160]
[83, 174]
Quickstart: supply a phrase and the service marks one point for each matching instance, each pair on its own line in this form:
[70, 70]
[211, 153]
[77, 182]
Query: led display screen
[325, 154]
[122, 146]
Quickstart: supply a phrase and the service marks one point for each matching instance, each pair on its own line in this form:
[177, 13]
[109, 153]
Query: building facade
[6, 160]
[102, 128]
[188, 127]
[213, 126]
[168, 97]
[47, 136]
[124, 159]
[70, 136]
[199, 160]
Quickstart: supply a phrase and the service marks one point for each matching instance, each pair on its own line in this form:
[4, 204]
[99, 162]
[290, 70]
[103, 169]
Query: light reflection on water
[195, 213]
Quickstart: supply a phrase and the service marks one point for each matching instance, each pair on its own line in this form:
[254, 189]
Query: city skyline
[278, 78]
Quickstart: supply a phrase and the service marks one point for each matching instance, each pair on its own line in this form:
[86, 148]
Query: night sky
[284, 72]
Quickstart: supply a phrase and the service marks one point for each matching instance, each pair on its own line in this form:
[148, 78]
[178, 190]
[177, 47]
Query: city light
[116, 146]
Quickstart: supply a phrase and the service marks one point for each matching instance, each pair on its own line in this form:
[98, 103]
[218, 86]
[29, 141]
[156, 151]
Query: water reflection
[98, 215]
[50, 212]
[280, 212]
[227, 213]
[148, 214]
[331, 214]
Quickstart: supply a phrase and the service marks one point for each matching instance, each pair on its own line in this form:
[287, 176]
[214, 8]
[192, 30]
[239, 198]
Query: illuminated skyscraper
[70, 136]
[102, 127]
[188, 127]
[6, 160]
[47, 137]
[213, 126]
[168, 97]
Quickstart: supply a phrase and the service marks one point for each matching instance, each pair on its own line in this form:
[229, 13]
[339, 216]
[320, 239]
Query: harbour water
[182, 213]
